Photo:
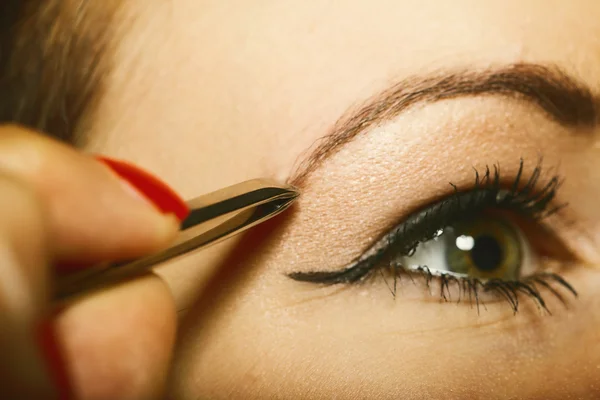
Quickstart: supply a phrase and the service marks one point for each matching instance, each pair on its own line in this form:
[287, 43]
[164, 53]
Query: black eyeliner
[424, 225]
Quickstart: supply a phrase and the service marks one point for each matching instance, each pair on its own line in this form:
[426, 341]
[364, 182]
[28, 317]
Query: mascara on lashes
[422, 226]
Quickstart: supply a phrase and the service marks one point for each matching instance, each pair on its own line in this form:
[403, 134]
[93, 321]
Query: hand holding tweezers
[213, 217]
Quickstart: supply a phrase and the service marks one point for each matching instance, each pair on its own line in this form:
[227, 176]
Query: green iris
[484, 248]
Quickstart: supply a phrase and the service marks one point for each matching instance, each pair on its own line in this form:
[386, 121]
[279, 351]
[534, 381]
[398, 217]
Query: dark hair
[53, 63]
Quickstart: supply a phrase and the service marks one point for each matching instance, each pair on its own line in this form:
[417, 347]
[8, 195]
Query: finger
[118, 344]
[23, 291]
[97, 211]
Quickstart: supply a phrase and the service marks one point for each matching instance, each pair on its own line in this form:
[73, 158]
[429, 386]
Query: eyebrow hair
[563, 98]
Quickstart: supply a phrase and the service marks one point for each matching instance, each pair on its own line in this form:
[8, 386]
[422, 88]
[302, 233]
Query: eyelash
[488, 192]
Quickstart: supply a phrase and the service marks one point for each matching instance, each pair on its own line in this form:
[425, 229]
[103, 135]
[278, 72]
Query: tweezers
[213, 217]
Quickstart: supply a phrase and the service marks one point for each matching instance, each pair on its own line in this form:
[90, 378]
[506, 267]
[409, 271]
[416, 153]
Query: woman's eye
[468, 240]
[486, 247]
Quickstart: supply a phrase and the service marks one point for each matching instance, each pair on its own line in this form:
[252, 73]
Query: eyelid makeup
[525, 197]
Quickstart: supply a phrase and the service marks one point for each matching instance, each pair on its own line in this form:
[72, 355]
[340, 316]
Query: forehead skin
[210, 93]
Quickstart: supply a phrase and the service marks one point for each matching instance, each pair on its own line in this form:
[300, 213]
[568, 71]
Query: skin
[48, 189]
[207, 94]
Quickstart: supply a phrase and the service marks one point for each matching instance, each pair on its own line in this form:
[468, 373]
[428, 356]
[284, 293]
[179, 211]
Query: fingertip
[118, 342]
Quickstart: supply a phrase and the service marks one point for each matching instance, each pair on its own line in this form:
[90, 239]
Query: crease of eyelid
[498, 326]
[334, 290]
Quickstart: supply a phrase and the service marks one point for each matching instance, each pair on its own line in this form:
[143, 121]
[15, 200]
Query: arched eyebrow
[564, 99]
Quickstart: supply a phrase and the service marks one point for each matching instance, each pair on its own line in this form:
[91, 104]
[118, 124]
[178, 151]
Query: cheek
[256, 334]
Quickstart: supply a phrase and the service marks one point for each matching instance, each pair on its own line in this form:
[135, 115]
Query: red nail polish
[55, 360]
[151, 187]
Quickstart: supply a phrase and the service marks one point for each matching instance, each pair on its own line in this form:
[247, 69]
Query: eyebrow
[564, 99]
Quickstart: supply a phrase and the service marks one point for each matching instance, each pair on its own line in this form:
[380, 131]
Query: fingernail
[55, 359]
[152, 188]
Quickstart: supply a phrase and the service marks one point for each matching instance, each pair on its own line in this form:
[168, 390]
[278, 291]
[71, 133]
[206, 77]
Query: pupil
[486, 254]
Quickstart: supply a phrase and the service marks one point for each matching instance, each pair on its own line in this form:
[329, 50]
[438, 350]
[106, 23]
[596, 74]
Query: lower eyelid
[541, 290]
